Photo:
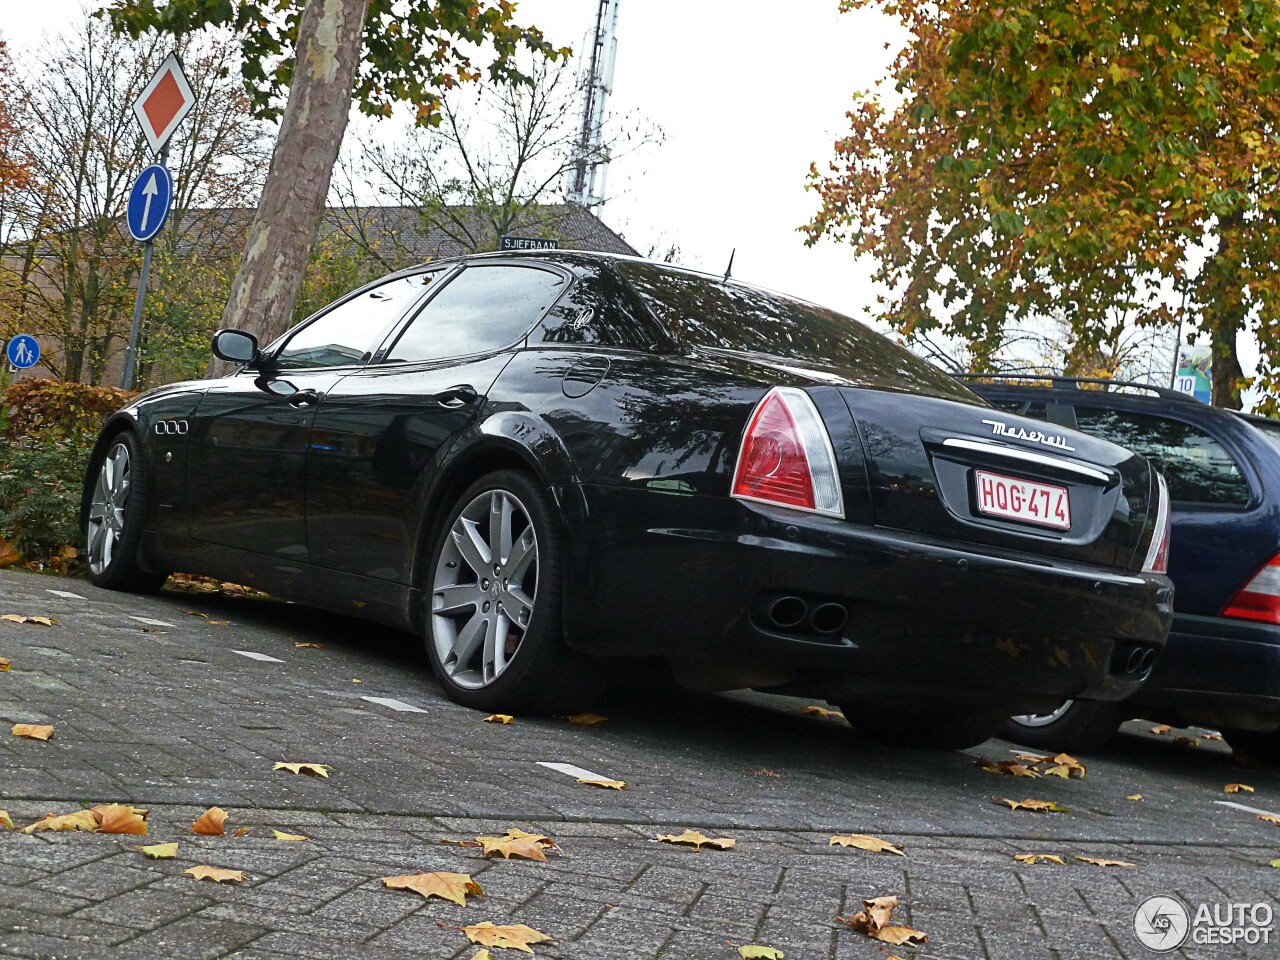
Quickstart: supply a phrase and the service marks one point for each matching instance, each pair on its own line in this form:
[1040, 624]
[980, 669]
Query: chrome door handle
[457, 397]
[304, 398]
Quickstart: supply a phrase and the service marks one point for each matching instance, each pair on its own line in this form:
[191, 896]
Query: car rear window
[702, 311]
[1197, 467]
[1270, 429]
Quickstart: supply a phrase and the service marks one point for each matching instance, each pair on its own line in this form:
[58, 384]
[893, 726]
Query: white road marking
[1244, 807]
[152, 623]
[394, 704]
[568, 769]
[254, 655]
[66, 593]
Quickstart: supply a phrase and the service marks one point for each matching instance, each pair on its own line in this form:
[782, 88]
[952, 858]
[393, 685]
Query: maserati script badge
[1001, 429]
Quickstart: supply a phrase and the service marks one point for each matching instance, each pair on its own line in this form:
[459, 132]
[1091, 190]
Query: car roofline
[1061, 382]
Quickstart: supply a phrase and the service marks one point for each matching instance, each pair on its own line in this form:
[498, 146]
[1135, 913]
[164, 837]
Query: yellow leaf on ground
[209, 824]
[313, 646]
[4, 665]
[516, 937]
[516, 833]
[1187, 741]
[605, 784]
[513, 847]
[765, 772]
[1011, 767]
[817, 711]
[873, 920]
[18, 618]
[1269, 817]
[1038, 857]
[503, 718]
[160, 851]
[354, 680]
[864, 842]
[80, 820]
[314, 769]
[32, 731]
[483, 955]
[5, 820]
[1161, 729]
[1035, 806]
[1098, 862]
[241, 832]
[1134, 796]
[195, 613]
[696, 840]
[281, 835]
[752, 951]
[1211, 736]
[446, 886]
[217, 874]
[118, 818]
[1237, 788]
[587, 719]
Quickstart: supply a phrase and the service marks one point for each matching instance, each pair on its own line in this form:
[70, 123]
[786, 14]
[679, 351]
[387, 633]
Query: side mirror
[236, 347]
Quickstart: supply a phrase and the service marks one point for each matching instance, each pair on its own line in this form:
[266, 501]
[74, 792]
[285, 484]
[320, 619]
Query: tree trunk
[1225, 313]
[315, 119]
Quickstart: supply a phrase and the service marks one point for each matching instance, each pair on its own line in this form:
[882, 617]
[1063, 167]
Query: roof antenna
[729, 269]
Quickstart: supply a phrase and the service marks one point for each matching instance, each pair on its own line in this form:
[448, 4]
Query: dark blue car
[1221, 667]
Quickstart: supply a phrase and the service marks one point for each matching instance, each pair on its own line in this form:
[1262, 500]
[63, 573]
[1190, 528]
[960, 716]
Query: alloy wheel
[483, 589]
[106, 509]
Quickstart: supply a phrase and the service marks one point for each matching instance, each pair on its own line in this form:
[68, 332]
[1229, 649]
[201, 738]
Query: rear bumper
[1216, 670]
[946, 621]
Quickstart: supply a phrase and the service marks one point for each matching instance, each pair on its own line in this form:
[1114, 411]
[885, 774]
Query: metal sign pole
[131, 352]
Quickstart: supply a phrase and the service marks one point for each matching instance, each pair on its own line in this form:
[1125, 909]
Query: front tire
[493, 591]
[116, 516]
[938, 729]
[1075, 725]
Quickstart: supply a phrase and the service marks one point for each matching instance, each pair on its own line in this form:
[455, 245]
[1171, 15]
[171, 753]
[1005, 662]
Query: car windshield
[702, 311]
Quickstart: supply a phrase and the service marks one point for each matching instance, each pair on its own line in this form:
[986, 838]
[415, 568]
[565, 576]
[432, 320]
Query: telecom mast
[591, 163]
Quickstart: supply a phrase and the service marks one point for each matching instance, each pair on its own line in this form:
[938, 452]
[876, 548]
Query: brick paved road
[173, 716]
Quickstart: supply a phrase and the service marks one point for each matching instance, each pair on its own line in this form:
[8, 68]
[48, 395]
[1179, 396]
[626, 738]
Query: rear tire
[939, 729]
[492, 617]
[117, 514]
[1082, 725]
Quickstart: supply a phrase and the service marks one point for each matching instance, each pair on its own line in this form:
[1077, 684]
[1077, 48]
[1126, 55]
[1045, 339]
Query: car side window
[597, 311]
[484, 308]
[1198, 468]
[349, 333]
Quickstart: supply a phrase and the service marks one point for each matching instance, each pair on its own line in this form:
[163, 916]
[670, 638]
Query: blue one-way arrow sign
[149, 202]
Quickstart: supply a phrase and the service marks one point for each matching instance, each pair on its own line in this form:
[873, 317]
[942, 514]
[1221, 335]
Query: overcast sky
[747, 94]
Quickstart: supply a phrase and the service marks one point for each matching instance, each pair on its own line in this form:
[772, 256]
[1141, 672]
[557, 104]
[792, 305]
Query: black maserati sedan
[553, 464]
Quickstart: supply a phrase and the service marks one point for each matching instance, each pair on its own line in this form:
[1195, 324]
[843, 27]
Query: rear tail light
[786, 457]
[1157, 560]
[1259, 599]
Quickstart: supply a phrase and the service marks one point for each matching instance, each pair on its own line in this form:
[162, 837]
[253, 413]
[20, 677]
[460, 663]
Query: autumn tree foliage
[329, 54]
[13, 165]
[1082, 159]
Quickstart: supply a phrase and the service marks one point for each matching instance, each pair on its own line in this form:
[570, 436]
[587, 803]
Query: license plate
[1040, 503]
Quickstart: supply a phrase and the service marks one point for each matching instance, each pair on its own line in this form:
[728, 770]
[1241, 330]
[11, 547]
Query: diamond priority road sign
[164, 103]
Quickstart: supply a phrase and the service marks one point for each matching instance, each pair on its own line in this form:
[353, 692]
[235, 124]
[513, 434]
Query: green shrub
[40, 483]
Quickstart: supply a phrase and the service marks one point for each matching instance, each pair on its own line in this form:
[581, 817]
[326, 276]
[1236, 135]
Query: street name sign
[149, 202]
[528, 243]
[23, 351]
[164, 103]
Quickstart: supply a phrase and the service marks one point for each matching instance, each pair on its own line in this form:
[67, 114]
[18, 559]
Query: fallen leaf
[195, 613]
[218, 623]
[217, 874]
[823, 712]
[1237, 787]
[1276, 864]
[754, 951]
[1105, 863]
[447, 886]
[160, 851]
[32, 731]
[463, 843]
[18, 618]
[587, 719]
[354, 680]
[281, 835]
[315, 769]
[604, 784]
[1134, 796]
[517, 937]
[313, 646]
[1210, 736]
[1035, 806]
[1161, 729]
[873, 920]
[210, 823]
[765, 772]
[695, 839]
[80, 820]
[1038, 857]
[1187, 741]
[1010, 767]
[864, 842]
[5, 820]
[4, 665]
[1269, 817]
[517, 834]
[241, 832]
[513, 847]
[483, 955]
[504, 718]
[117, 818]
